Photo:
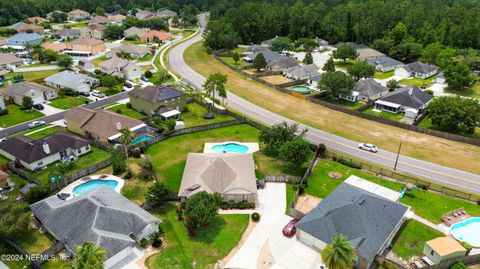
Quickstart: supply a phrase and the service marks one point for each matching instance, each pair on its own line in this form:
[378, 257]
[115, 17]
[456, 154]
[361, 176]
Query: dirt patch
[265, 257]
[135, 168]
[223, 262]
[306, 202]
[335, 175]
[276, 79]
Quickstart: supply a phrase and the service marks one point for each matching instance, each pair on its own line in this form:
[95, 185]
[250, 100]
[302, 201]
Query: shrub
[128, 105]
[350, 164]
[137, 152]
[157, 243]
[128, 175]
[458, 265]
[224, 205]
[144, 243]
[255, 216]
[322, 150]
[429, 92]
[467, 246]
[36, 193]
[3, 112]
[148, 74]
[118, 111]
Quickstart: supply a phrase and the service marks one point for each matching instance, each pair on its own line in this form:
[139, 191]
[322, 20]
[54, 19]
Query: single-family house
[58, 47]
[134, 31]
[116, 18]
[443, 248]
[4, 180]
[21, 27]
[408, 99]
[135, 51]
[86, 65]
[122, 68]
[366, 213]
[368, 53]
[78, 15]
[50, 14]
[93, 30]
[158, 100]
[268, 54]
[20, 40]
[384, 63]
[9, 60]
[72, 80]
[255, 48]
[155, 36]
[101, 125]
[144, 14]
[66, 33]
[321, 44]
[34, 154]
[267, 43]
[301, 71]
[17, 91]
[99, 20]
[166, 13]
[36, 20]
[232, 175]
[365, 90]
[85, 47]
[102, 216]
[417, 70]
[281, 64]
[313, 81]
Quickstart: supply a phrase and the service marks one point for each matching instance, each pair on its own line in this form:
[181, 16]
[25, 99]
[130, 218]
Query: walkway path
[36, 69]
[430, 224]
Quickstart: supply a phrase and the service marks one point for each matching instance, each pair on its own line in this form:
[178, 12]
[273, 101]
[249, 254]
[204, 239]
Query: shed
[443, 248]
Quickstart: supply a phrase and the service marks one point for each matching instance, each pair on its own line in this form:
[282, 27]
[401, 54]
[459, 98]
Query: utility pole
[398, 152]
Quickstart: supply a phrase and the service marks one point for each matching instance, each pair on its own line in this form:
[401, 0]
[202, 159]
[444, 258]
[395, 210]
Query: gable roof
[155, 94]
[303, 71]
[159, 34]
[36, 19]
[68, 32]
[22, 88]
[384, 61]
[134, 31]
[367, 220]
[131, 49]
[114, 62]
[96, 26]
[29, 150]
[24, 38]
[117, 17]
[419, 67]
[79, 114]
[17, 26]
[78, 12]
[166, 13]
[100, 20]
[316, 77]
[409, 96]
[268, 54]
[102, 216]
[445, 245]
[268, 42]
[282, 63]
[256, 48]
[86, 41]
[218, 173]
[57, 47]
[369, 87]
[9, 58]
[69, 79]
[366, 53]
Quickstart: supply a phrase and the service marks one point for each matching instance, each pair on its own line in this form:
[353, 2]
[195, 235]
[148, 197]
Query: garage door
[306, 238]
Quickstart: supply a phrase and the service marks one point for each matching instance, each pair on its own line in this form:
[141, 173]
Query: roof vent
[193, 187]
[361, 201]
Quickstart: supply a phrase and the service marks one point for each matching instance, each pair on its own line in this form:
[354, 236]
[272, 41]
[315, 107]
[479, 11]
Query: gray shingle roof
[303, 71]
[419, 67]
[409, 96]
[282, 63]
[22, 38]
[155, 94]
[268, 54]
[101, 215]
[22, 88]
[383, 61]
[369, 87]
[366, 219]
[69, 79]
[29, 150]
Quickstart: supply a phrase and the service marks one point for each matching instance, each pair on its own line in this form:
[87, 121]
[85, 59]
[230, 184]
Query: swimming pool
[230, 148]
[301, 89]
[468, 231]
[92, 184]
[140, 139]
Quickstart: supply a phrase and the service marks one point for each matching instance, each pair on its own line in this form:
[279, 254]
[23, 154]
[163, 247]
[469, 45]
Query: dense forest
[382, 23]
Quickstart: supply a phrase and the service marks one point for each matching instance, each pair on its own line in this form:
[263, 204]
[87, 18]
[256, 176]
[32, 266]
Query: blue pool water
[92, 184]
[230, 147]
[140, 139]
[468, 231]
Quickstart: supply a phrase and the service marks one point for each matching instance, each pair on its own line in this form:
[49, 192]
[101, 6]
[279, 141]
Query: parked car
[38, 107]
[145, 79]
[68, 159]
[86, 94]
[36, 123]
[128, 85]
[290, 229]
[368, 147]
[98, 94]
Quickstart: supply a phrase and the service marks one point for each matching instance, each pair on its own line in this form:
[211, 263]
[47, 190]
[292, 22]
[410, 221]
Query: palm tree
[340, 254]
[89, 256]
[126, 137]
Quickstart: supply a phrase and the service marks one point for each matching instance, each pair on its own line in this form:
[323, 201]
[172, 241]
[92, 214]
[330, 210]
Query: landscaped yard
[412, 237]
[45, 132]
[12, 195]
[417, 82]
[210, 244]
[68, 102]
[98, 60]
[382, 75]
[384, 114]
[13, 264]
[468, 92]
[124, 110]
[146, 58]
[437, 150]
[194, 116]
[34, 242]
[94, 156]
[343, 103]
[230, 61]
[278, 79]
[340, 64]
[16, 116]
[37, 75]
[76, 24]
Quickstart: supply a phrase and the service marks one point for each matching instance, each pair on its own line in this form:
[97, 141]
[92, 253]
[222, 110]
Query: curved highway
[423, 169]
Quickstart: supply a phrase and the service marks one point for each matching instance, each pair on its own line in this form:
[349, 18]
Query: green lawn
[382, 75]
[468, 92]
[427, 124]
[428, 205]
[12, 195]
[340, 64]
[290, 195]
[194, 116]
[384, 114]
[56, 263]
[231, 62]
[343, 103]
[98, 60]
[34, 65]
[94, 156]
[16, 116]
[146, 58]
[68, 102]
[3, 160]
[210, 244]
[37, 75]
[34, 242]
[412, 237]
[155, 79]
[45, 132]
[77, 25]
[129, 112]
[417, 82]
[17, 264]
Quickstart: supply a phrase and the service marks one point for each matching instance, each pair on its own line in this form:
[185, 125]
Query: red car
[290, 229]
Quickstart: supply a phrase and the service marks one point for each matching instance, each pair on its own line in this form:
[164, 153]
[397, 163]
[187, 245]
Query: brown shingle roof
[79, 114]
[77, 11]
[86, 41]
[104, 123]
[57, 47]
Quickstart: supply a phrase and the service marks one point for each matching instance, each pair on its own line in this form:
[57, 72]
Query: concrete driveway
[286, 252]
[319, 58]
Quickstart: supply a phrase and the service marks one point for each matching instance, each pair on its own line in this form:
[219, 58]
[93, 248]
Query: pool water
[92, 184]
[468, 231]
[301, 89]
[140, 139]
[230, 148]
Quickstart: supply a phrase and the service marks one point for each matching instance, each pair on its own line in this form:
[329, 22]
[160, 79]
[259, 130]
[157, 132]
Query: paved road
[406, 164]
[55, 117]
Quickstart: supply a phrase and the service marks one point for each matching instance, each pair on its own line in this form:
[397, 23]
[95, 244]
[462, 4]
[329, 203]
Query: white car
[98, 94]
[36, 123]
[368, 147]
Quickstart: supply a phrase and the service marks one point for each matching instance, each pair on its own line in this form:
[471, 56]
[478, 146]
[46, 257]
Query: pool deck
[69, 189]
[252, 147]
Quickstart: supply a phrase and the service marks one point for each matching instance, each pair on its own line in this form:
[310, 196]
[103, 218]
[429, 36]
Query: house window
[79, 151]
[87, 147]
[432, 252]
[231, 199]
[244, 198]
[39, 163]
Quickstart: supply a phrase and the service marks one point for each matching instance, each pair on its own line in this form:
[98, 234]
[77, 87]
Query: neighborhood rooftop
[409, 96]
[69, 79]
[156, 94]
[419, 67]
[369, 87]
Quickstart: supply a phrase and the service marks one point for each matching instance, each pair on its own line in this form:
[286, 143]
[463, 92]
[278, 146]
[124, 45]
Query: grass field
[417, 82]
[16, 116]
[210, 244]
[98, 60]
[12, 195]
[412, 238]
[421, 146]
[129, 112]
[39, 132]
[146, 58]
[382, 75]
[68, 102]
[278, 79]
[468, 92]
[194, 116]
[34, 242]
[231, 62]
[343, 103]
[384, 114]
[37, 76]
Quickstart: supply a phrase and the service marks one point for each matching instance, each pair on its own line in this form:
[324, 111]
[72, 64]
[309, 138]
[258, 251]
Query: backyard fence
[79, 174]
[24, 253]
[283, 179]
[467, 260]
[51, 251]
[22, 173]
